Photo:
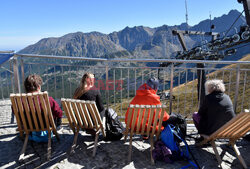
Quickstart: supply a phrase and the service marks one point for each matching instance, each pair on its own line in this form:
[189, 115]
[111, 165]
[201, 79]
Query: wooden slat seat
[83, 115]
[31, 117]
[138, 123]
[234, 129]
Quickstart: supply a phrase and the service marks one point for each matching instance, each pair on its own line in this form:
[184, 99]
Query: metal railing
[118, 79]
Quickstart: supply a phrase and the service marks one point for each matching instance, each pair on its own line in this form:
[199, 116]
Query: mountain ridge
[140, 41]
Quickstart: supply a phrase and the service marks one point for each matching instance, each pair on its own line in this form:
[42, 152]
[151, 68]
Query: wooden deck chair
[31, 117]
[234, 129]
[135, 126]
[83, 115]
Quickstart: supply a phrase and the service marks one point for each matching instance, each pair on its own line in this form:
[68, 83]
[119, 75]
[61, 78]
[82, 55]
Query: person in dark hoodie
[146, 95]
[216, 110]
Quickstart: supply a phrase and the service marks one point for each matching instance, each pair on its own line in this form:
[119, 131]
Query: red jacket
[55, 108]
[146, 96]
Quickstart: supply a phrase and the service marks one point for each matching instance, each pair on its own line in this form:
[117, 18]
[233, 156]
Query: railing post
[201, 76]
[171, 87]
[236, 87]
[107, 85]
[22, 70]
[11, 77]
[16, 75]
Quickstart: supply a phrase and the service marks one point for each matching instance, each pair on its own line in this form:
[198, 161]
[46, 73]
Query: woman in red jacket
[146, 95]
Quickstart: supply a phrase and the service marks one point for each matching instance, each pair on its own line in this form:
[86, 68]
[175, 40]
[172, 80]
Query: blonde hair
[214, 85]
[82, 87]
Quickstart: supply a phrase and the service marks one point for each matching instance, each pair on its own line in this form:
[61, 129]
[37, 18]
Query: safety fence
[181, 81]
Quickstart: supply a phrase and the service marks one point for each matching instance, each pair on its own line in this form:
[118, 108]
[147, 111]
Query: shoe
[91, 131]
[199, 140]
[58, 128]
[145, 137]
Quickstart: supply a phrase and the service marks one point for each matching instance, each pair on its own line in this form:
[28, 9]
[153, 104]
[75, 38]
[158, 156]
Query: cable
[243, 45]
[233, 23]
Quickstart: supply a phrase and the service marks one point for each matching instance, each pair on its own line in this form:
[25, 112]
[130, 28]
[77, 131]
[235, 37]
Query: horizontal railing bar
[60, 57]
[7, 51]
[176, 68]
[133, 60]
[63, 65]
[179, 61]
[112, 67]
[244, 69]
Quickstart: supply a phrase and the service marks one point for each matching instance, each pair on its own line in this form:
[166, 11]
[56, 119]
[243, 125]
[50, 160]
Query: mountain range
[136, 42]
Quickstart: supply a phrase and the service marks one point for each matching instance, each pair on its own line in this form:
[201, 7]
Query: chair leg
[96, 140]
[24, 146]
[130, 148]
[216, 152]
[75, 141]
[151, 149]
[238, 154]
[57, 136]
[125, 136]
[21, 134]
[49, 145]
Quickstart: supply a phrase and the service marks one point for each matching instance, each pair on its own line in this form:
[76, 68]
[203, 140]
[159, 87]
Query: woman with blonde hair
[216, 110]
[87, 91]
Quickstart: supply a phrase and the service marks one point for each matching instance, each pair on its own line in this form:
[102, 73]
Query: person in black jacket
[216, 110]
[87, 91]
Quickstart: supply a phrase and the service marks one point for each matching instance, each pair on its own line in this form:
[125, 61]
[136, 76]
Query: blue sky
[24, 22]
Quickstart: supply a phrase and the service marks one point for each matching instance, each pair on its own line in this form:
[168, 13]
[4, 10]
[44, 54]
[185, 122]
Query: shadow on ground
[109, 154]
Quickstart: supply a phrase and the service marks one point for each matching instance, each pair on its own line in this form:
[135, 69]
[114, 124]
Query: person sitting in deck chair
[146, 95]
[87, 91]
[33, 84]
[216, 110]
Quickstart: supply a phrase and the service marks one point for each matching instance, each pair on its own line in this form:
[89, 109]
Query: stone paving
[109, 154]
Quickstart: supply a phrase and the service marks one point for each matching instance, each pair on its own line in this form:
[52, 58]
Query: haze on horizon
[26, 22]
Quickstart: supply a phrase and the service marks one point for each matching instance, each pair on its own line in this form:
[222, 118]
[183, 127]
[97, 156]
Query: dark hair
[153, 82]
[32, 82]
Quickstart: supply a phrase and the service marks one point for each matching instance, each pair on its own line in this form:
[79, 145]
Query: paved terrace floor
[109, 154]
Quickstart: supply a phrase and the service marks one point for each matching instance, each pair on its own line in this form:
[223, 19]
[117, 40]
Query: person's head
[153, 83]
[33, 83]
[87, 80]
[214, 85]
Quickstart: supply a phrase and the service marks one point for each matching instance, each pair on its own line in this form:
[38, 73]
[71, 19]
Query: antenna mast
[186, 12]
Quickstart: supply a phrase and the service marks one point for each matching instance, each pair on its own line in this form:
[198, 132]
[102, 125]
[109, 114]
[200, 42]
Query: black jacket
[93, 95]
[216, 110]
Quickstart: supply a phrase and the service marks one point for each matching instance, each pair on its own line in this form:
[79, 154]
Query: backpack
[180, 125]
[169, 138]
[39, 136]
[114, 128]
